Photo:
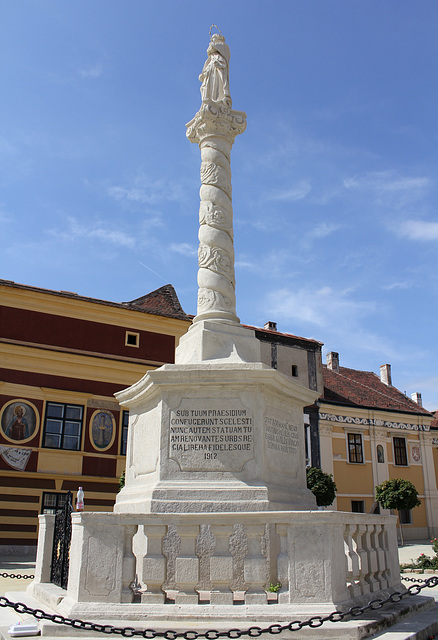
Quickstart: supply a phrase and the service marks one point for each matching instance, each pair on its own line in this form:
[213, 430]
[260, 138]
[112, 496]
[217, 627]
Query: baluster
[381, 558]
[238, 545]
[154, 565]
[283, 564]
[384, 543]
[363, 559]
[221, 566]
[372, 558]
[128, 567]
[353, 575]
[171, 548]
[255, 566]
[205, 543]
[187, 566]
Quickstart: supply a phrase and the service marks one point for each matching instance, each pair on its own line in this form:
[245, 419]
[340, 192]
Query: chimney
[270, 326]
[385, 374]
[333, 361]
[416, 397]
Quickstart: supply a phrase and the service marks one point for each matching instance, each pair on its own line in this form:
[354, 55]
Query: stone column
[216, 333]
[214, 128]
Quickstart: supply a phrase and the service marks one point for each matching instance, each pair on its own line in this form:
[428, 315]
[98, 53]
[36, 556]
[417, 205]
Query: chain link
[16, 575]
[233, 634]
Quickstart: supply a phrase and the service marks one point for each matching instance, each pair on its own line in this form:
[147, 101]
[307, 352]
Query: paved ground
[25, 566]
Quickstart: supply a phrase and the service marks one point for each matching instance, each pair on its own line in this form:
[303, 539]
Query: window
[53, 502]
[63, 426]
[294, 371]
[132, 339]
[308, 442]
[405, 516]
[400, 455]
[380, 453]
[358, 506]
[125, 422]
[355, 451]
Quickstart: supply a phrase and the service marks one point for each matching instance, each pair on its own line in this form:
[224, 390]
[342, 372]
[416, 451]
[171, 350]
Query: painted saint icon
[19, 421]
[102, 429]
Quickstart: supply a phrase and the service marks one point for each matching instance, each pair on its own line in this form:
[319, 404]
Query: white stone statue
[215, 74]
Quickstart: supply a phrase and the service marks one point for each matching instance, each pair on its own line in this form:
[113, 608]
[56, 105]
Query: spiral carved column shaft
[214, 129]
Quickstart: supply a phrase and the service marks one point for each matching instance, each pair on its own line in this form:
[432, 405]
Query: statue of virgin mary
[215, 85]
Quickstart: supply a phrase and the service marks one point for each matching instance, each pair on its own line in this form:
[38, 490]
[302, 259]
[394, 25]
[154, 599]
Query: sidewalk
[411, 551]
[23, 565]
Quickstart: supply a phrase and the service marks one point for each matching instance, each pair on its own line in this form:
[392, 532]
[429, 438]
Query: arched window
[380, 453]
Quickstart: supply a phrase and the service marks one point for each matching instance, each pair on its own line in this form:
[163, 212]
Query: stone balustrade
[323, 557]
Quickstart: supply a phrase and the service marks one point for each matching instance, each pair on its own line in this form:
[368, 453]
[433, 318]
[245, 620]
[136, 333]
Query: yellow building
[370, 432]
[62, 357]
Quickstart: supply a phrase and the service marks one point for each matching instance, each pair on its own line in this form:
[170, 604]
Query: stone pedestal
[215, 437]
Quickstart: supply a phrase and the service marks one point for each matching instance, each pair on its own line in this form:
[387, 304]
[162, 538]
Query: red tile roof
[365, 389]
[161, 302]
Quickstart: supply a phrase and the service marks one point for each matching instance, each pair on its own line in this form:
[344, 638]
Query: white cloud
[324, 229]
[184, 248]
[297, 192]
[382, 181]
[5, 217]
[98, 230]
[147, 191]
[321, 307]
[338, 317]
[92, 71]
[419, 230]
[245, 264]
[396, 285]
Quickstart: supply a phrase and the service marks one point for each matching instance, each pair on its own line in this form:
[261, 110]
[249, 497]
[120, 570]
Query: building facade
[62, 357]
[299, 358]
[370, 432]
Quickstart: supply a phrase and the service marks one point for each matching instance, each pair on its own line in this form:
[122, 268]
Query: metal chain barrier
[16, 575]
[411, 579]
[213, 634]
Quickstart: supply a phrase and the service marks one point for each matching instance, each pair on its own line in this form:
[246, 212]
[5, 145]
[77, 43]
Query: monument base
[217, 567]
[214, 341]
[222, 437]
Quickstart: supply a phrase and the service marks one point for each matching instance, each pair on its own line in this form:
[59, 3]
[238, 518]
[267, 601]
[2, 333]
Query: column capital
[216, 120]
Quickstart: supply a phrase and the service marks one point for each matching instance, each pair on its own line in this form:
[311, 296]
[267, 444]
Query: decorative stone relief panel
[373, 422]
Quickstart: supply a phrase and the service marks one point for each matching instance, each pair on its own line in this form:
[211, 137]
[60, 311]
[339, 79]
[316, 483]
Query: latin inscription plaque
[282, 441]
[281, 435]
[211, 434]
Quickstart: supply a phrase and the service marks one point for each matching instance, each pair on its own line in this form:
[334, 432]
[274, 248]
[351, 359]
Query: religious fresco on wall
[19, 421]
[102, 429]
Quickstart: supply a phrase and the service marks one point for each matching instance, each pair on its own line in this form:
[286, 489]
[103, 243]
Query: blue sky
[334, 181]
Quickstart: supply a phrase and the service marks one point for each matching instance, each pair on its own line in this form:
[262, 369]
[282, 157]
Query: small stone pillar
[43, 564]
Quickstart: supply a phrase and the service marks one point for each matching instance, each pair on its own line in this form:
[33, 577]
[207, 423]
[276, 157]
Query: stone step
[415, 617]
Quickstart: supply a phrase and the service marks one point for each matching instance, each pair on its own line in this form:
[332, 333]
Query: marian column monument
[215, 505]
